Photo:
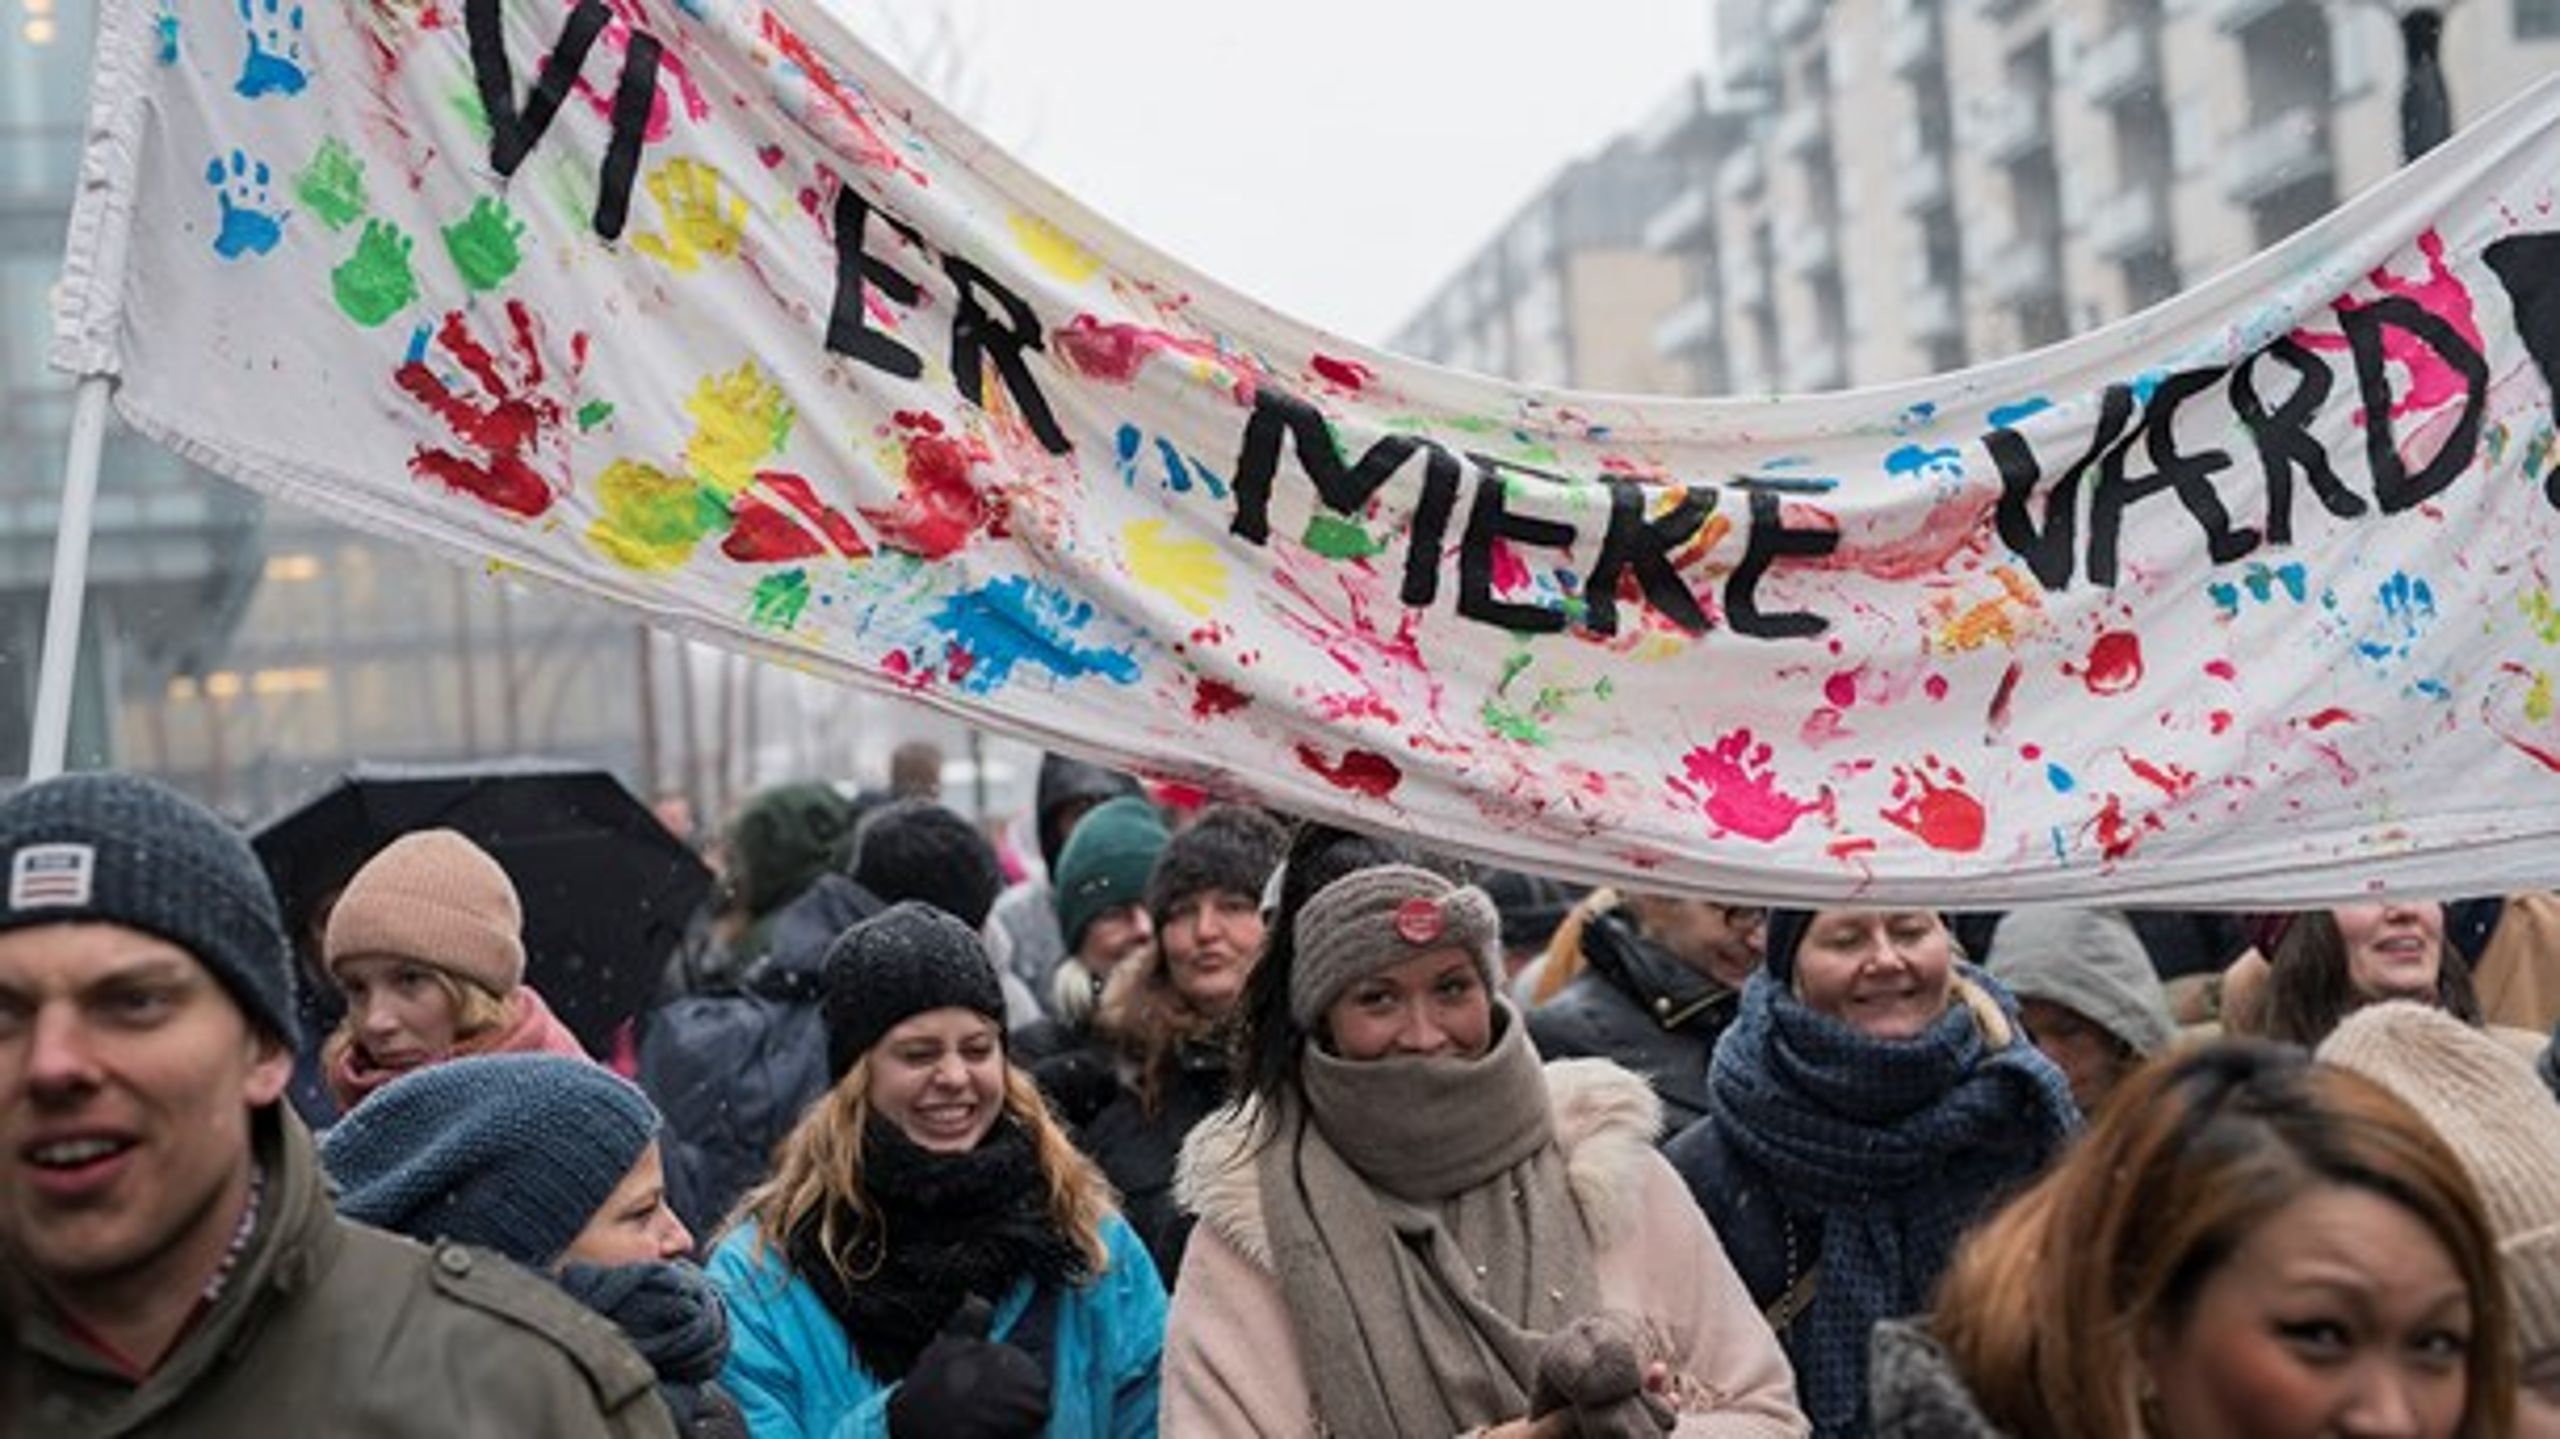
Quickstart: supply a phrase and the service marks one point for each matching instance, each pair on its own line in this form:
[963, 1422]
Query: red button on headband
[1418, 921]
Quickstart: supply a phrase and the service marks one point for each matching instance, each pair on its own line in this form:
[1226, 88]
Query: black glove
[965, 1387]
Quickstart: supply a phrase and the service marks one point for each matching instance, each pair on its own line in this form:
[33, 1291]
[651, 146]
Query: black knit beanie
[917, 849]
[1232, 847]
[127, 850]
[901, 962]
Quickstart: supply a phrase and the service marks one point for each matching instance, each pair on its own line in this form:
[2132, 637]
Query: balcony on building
[2120, 67]
[1817, 367]
[1746, 282]
[2020, 271]
[1931, 310]
[1682, 224]
[1688, 331]
[1911, 37]
[1922, 182]
[1806, 125]
[2127, 225]
[1811, 250]
[2275, 155]
[1742, 175]
[1793, 20]
[2234, 16]
[2010, 126]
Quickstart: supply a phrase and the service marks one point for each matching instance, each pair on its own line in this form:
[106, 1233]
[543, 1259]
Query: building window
[2537, 19]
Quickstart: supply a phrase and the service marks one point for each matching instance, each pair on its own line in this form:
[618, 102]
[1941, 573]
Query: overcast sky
[1335, 159]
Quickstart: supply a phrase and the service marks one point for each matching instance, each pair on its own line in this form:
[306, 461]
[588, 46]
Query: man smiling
[172, 1263]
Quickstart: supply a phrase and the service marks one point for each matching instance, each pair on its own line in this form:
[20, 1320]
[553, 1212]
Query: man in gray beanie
[169, 1259]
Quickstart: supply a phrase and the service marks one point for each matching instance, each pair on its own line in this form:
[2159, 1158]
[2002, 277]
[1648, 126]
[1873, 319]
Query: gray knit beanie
[511, 1152]
[2090, 962]
[1373, 919]
[2492, 1111]
[122, 849]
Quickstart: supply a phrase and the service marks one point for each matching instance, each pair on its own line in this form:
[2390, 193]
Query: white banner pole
[52, 738]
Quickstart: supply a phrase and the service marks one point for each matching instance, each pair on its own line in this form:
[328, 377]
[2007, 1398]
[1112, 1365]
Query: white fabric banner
[702, 308]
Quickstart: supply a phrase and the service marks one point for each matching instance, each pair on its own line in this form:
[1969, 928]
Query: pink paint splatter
[2001, 698]
[1824, 726]
[2173, 780]
[1935, 686]
[2219, 721]
[941, 509]
[1733, 781]
[1841, 689]
[1510, 572]
[2115, 663]
[1349, 374]
[1936, 808]
[2329, 718]
[1216, 697]
[1359, 771]
[1114, 353]
[2221, 670]
[1337, 708]
[2118, 835]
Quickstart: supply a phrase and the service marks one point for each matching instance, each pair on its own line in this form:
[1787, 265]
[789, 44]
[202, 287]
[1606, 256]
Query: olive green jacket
[328, 1327]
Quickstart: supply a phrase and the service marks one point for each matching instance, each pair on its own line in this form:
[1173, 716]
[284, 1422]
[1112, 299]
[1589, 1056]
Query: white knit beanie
[2491, 1110]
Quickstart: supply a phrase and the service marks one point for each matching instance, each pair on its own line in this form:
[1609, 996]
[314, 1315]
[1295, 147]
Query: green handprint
[376, 282]
[332, 185]
[485, 244]
[698, 222]
[651, 520]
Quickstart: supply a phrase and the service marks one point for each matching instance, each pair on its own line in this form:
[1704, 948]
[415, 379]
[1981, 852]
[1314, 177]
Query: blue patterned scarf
[1892, 1146]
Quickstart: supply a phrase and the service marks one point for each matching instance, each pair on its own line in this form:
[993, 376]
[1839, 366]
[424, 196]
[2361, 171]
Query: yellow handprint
[739, 418]
[1188, 572]
[652, 519]
[699, 220]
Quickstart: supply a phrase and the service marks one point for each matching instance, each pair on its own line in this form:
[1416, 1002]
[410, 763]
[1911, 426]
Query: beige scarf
[1425, 1235]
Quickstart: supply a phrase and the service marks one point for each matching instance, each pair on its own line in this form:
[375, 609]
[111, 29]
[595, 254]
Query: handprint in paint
[701, 220]
[2408, 609]
[1736, 783]
[508, 449]
[332, 185]
[486, 245]
[251, 223]
[376, 282]
[274, 62]
[1932, 803]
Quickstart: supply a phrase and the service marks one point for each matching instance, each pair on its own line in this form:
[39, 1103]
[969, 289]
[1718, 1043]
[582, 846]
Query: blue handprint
[274, 63]
[251, 225]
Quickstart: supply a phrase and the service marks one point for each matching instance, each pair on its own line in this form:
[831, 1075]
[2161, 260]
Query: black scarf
[952, 1225]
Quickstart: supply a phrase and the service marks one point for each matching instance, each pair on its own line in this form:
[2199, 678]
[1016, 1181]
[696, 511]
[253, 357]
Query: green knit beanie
[1106, 862]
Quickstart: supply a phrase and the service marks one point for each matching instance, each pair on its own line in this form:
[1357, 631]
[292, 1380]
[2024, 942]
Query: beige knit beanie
[436, 898]
[2491, 1110]
[1373, 919]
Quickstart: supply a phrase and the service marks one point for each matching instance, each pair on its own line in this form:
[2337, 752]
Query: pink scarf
[533, 1030]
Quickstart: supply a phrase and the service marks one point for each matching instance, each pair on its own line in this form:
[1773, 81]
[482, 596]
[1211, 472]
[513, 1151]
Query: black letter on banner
[2283, 441]
[1487, 522]
[1345, 489]
[1647, 545]
[975, 333]
[2048, 552]
[2394, 488]
[512, 135]
[1770, 538]
[849, 329]
[2190, 475]
[2529, 266]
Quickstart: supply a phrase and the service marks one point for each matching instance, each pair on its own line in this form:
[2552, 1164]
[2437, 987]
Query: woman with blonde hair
[931, 1255]
[2246, 1243]
[426, 944]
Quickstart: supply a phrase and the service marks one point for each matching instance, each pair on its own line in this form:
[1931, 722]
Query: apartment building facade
[1910, 186]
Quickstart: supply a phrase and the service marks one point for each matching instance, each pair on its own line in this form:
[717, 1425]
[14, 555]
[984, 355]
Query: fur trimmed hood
[1605, 1122]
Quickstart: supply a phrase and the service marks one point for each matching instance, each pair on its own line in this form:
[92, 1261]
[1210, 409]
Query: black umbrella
[607, 890]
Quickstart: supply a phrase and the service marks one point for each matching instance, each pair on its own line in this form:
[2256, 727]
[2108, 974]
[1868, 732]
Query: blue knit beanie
[512, 1152]
[121, 849]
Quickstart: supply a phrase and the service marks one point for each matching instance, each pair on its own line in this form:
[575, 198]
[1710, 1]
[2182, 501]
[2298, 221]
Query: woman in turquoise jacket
[931, 1255]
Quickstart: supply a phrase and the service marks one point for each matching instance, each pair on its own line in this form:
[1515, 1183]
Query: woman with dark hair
[1875, 1096]
[1407, 1225]
[2333, 962]
[931, 1255]
[2247, 1243]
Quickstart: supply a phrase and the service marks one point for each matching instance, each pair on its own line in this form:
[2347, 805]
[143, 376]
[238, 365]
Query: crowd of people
[1187, 1119]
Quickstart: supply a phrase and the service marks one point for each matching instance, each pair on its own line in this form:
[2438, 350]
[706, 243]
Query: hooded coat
[1637, 1005]
[1232, 1365]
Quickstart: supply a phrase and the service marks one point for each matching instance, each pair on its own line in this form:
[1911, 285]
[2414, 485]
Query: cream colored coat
[1231, 1364]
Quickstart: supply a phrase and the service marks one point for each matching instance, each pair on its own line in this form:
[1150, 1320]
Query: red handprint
[506, 429]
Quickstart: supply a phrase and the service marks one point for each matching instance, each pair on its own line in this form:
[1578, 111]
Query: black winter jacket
[1637, 1005]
